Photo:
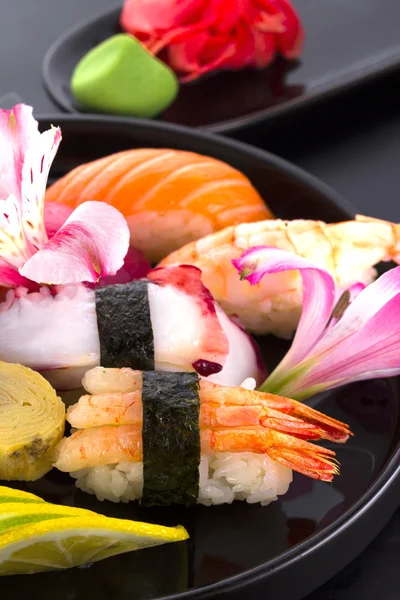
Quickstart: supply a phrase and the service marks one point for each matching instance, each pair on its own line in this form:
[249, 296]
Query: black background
[351, 143]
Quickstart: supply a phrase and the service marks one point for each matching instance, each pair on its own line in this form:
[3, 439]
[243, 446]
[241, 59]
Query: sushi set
[196, 347]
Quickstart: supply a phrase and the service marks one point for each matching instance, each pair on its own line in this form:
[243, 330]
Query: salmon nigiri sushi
[173, 438]
[169, 197]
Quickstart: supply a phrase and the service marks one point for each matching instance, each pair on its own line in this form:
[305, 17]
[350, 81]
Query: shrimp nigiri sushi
[348, 251]
[168, 321]
[168, 197]
[169, 438]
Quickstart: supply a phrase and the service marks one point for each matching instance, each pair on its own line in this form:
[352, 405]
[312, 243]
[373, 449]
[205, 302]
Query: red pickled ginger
[199, 36]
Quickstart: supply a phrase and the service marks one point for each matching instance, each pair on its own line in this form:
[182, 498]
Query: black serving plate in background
[347, 42]
[297, 543]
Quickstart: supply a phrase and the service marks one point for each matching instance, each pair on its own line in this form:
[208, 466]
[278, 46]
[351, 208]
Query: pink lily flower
[92, 242]
[337, 342]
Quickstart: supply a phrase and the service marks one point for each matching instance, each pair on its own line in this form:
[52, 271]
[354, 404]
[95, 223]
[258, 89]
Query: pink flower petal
[91, 244]
[364, 306]
[55, 215]
[318, 294]
[372, 351]
[17, 130]
[24, 166]
[13, 245]
[363, 343]
[355, 289]
[135, 266]
[9, 276]
[38, 159]
[343, 298]
[352, 291]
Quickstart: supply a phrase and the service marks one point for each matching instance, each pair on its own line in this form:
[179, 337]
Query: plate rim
[389, 474]
[307, 547]
[384, 66]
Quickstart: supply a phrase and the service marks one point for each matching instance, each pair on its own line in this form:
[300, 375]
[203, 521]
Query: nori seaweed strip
[124, 324]
[171, 438]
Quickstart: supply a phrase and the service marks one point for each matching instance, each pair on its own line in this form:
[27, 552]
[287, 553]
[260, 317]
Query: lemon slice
[11, 495]
[67, 542]
[15, 514]
[20, 499]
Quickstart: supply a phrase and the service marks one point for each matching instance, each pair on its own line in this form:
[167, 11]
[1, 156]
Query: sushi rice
[224, 477]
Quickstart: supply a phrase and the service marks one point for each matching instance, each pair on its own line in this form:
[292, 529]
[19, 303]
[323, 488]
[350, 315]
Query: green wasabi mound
[121, 77]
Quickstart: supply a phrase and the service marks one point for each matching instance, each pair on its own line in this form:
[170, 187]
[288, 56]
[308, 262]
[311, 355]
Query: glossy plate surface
[283, 550]
[346, 43]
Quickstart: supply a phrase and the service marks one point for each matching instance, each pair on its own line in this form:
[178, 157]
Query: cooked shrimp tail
[310, 460]
[228, 406]
[314, 461]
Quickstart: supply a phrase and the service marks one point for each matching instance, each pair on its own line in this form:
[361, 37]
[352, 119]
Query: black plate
[347, 42]
[292, 546]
